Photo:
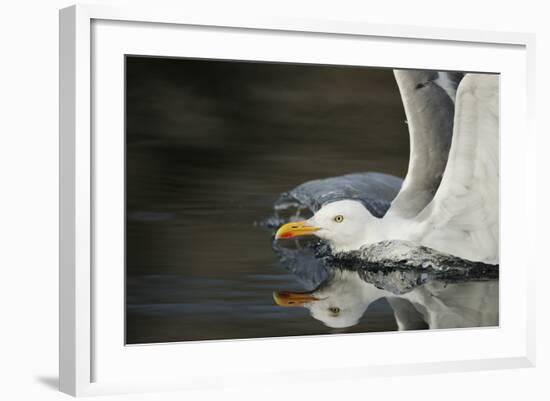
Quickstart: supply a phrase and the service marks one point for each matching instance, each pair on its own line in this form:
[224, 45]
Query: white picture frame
[83, 349]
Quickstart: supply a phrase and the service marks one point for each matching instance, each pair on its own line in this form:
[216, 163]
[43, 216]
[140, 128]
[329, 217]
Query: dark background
[210, 146]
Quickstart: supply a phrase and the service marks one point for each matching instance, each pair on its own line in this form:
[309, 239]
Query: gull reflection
[419, 299]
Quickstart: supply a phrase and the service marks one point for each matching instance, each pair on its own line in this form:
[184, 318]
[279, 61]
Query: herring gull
[449, 198]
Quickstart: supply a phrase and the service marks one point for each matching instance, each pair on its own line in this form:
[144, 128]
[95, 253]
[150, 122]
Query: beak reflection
[285, 298]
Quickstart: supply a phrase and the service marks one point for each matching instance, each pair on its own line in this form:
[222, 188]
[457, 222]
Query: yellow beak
[285, 298]
[295, 229]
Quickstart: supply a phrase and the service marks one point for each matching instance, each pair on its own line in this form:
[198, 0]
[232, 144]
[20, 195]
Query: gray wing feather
[429, 100]
[375, 190]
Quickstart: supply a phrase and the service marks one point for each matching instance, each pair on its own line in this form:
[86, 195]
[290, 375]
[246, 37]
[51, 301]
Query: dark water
[210, 147]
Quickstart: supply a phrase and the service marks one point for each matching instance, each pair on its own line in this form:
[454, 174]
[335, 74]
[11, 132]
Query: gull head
[341, 223]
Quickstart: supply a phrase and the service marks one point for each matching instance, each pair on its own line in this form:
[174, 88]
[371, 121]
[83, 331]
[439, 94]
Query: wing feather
[463, 217]
[429, 102]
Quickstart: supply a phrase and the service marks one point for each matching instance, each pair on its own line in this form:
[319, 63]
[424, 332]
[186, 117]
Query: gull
[449, 199]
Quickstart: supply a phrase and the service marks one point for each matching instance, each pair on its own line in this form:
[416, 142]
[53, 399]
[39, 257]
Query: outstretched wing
[429, 102]
[463, 217]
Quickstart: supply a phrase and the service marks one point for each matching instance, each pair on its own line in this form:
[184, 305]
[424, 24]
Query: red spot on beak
[286, 235]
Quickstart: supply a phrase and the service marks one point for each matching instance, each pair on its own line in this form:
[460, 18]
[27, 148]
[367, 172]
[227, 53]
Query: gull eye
[334, 309]
[339, 218]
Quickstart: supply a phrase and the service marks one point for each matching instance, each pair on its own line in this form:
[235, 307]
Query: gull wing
[429, 102]
[406, 315]
[463, 217]
[375, 190]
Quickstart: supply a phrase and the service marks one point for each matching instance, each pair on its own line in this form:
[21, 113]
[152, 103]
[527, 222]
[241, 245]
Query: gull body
[449, 199]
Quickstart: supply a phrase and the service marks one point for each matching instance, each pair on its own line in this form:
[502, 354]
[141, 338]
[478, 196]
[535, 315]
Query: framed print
[238, 193]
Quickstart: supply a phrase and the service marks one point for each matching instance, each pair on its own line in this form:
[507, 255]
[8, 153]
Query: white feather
[463, 217]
